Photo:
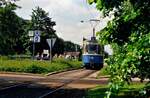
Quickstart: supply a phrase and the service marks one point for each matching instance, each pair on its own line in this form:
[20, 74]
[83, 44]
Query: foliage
[58, 47]
[126, 92]
[103, 72]
[129, 35]
[12, 34]
[14, 30]
[30, 66]
[41, 21]
[69, 46]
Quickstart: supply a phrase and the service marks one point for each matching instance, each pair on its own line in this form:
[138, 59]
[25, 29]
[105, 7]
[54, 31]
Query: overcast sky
[67, 14]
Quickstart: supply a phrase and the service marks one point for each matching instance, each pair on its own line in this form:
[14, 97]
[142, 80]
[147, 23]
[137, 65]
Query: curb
[19, 73]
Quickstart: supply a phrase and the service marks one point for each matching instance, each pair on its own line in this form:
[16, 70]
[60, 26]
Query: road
[64, 84]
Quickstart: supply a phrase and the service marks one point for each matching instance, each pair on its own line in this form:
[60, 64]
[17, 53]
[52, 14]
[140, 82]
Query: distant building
[74, 55]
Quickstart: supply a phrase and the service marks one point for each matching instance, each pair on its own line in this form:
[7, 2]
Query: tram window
[98, 49]
[93, 49]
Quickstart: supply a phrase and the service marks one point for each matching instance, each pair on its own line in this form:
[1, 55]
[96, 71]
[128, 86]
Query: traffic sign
[51, 42]
[37, 34]
[31, 33]
[36, 39]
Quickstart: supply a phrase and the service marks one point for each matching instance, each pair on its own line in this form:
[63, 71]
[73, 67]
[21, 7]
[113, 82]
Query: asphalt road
[69, 83]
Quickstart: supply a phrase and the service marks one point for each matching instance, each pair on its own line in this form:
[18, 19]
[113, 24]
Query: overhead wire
[85, 2]
[35, 3]
[93, 18]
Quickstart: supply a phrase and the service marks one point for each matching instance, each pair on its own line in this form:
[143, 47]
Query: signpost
[35, 38]
[51, 43]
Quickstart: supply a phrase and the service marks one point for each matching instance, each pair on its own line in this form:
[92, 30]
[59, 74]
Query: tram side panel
[92, 61]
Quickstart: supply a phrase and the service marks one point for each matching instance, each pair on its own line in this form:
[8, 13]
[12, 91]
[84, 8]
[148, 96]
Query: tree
[70, 47]
[129, 35]
[12, 35]
[41, 21]
[58, 47]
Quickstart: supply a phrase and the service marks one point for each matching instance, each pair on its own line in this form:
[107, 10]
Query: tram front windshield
[93, 49]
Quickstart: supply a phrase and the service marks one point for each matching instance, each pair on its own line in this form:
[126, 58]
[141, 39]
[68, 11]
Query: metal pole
[50, 51]
[93, 31]
[76, 48]
[33, 49]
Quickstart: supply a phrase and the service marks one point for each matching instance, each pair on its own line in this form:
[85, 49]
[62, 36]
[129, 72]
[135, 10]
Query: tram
[92, 56]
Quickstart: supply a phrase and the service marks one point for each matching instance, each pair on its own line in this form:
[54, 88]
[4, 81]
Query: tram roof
[91, 42]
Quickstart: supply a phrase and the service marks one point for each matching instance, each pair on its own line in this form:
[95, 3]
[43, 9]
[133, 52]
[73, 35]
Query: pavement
[52, 81]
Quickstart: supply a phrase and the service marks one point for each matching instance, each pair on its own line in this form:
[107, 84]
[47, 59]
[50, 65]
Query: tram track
[65, 84]
[36, 90]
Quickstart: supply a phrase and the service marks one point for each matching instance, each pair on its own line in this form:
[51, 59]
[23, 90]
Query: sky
[68, 15]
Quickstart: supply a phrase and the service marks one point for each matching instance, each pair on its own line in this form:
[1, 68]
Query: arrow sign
[36, 36]
[36, 39]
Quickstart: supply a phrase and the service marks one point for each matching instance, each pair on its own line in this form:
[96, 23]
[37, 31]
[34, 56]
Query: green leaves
[41, 21]
[92, 1]
[11, 30]
[129, 35]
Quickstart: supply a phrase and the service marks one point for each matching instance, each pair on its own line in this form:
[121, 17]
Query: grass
[103, 73]
[34, 66]
[130, 91]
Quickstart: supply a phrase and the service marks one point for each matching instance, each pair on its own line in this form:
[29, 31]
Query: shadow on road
[36, 90]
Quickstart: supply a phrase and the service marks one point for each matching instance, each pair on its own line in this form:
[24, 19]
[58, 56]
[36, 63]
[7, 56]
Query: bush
[31, 66]
[34, 69]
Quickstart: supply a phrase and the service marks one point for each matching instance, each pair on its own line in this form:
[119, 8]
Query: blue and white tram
[92, 56]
